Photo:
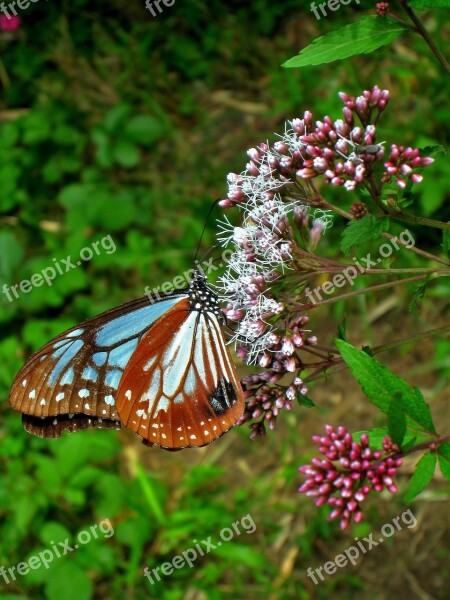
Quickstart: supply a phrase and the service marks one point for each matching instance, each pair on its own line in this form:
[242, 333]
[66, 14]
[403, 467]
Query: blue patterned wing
[71, 383]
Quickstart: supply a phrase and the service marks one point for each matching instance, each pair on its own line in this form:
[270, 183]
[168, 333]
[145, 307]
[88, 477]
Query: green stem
[418, 251]
[422, 446]
[340, 365]
[439, 225]
[363, 291]
[425, 35]
[418, 220]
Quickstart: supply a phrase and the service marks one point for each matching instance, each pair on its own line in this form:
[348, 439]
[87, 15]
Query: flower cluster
[358, 210]
[283, 219]
[341, 151]
[264, 249]
[382, 8]
[401, 165]
[348, 472]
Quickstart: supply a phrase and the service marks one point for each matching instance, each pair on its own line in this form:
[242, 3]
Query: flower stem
[430, 222]
[422, 446]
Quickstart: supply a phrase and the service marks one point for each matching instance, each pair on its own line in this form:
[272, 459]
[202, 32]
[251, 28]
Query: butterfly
[159, 366]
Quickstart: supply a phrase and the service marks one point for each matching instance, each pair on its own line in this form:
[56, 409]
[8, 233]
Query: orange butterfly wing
[180, 388]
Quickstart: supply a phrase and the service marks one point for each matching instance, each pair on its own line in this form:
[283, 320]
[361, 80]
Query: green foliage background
[116, 123]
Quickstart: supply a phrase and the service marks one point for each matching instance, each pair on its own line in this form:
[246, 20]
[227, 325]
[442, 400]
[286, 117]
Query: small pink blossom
[11, 23]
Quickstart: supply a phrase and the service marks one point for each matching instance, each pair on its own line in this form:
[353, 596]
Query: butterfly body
[160, 367]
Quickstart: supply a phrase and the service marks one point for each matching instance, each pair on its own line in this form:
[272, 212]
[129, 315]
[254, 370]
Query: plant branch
[340, 365]
[363, 291]
[426, 36]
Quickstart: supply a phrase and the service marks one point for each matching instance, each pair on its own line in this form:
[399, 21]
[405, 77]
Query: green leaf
[419, 293]
[11, 254]
[422, 475]
[362, 37]
[361, 230]
[397, 419]
[376, 436]
[305, 401]
[241, 554]
[126, 154]
[144, 130]
[70, 582]
[432, 150]
[381, 385]
[444, 459]
[54, 532]
[342, 330]
[423, 4]
[446, 241]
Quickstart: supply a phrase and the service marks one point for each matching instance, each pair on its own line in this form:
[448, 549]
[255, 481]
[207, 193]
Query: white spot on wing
[109, 400]
[32, 394]
[60, 397]
[84, 393]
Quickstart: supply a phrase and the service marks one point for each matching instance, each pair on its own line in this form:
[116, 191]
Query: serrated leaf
[361, 230]
[380, 385]
[362, 37]
[423, 4]
[396, 419]
[444, 459]
[421, 476]
[432, 150]
[419, 293]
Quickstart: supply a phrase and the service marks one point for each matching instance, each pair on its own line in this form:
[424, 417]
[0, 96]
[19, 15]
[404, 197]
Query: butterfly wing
[180, 388]
[77, 374]
[53, 427]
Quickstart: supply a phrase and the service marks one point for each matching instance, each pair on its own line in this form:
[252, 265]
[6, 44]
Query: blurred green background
[113, 122]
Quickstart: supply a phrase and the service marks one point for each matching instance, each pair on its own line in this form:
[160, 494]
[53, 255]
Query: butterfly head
[201, 296]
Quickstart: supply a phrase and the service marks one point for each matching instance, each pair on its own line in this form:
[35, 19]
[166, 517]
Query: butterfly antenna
[204, 226]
